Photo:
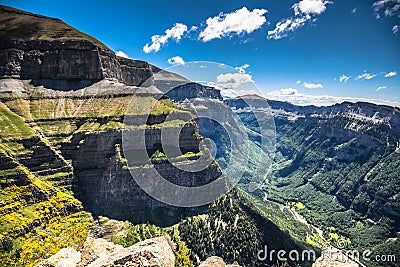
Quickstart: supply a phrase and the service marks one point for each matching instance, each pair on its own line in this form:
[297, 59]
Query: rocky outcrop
[68, 60]
[98, 248]
[216, 262]
[155, 252]
[334, 258]
[66, 257]
[193, 90]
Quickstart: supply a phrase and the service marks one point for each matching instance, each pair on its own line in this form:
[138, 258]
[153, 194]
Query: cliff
[55, 55]
[178, 88]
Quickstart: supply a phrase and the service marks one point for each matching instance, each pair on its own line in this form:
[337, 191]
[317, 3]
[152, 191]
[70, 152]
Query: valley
[325, 175]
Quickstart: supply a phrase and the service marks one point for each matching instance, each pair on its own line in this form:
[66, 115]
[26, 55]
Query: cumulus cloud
[344, 78]
[238, 22]
[381, 88]
[310, 7]
[298, 82]
[390, 74]
[366, 76]
[242, 69]
[175, 33]
[304, 12]
[389, 8]
[177, 60]
[233, 80]
[121, 54]
[322, 100]
[312, 85]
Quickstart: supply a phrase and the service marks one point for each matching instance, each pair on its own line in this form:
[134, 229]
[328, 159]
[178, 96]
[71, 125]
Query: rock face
[155, 252]
[107, 188]
[216, 262]
[66, 257]
[192, 90]
[178, 88]
[95, 248]
[334, 258]
[57, 56]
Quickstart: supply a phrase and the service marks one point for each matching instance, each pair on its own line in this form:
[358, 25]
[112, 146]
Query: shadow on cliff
[64, 84]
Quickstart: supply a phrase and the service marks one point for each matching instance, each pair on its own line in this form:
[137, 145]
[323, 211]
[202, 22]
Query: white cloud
[177, 60]
[303, 11]
[121, 54]
[233, 80]
[381, 88]
[390, 74]
[175, 33]
[344, 78]
[288, 91]
[312, 85]
[310, 7]
[366, 76]
[322, 100]
[354, 10]
[238, 22]
[285, 26]
[242, 69]
[388, 7]
[298, 82]
[396, 29]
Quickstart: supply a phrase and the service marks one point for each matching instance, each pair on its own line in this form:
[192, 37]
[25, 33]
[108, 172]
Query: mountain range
[66, 175]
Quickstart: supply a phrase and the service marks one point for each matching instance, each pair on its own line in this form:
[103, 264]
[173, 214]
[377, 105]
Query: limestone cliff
[53, 54]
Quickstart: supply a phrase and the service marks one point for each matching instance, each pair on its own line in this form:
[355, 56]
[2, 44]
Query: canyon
[66, 102]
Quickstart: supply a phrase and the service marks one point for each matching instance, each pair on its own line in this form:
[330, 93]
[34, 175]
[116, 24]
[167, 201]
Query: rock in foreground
[155, 252]
[66, 257]
[216, 262]
[334, 258]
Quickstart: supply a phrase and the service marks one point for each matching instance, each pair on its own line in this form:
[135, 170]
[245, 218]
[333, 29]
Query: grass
[13, 126]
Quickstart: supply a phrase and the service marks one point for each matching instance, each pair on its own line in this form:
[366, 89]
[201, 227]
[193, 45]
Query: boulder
[95, 248]
[217, 262]
[334, 258]
[66, 257]
[155, 252]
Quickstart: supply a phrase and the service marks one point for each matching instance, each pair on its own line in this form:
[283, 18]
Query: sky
[303, 51]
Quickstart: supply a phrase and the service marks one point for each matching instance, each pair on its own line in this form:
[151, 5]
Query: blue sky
[292, 50]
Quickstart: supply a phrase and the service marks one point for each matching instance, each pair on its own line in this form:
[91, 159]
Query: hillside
[338, 167]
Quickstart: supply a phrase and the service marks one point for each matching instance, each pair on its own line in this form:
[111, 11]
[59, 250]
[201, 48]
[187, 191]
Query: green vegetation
[140, 232]
[339, 180]
[13, 126]
[34, 227]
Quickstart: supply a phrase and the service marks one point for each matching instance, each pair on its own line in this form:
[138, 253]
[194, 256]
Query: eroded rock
[66, 257]
[97, 252]
[216, 262]
[334, 258]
